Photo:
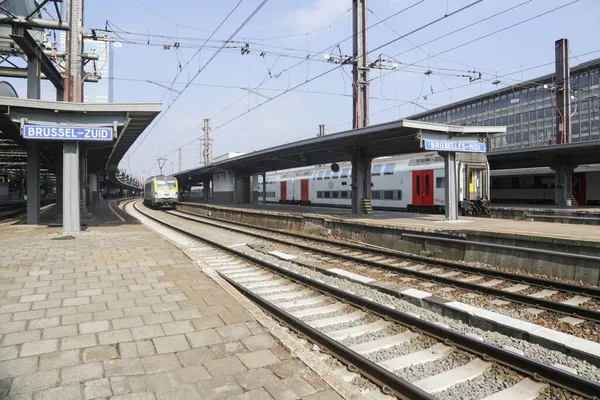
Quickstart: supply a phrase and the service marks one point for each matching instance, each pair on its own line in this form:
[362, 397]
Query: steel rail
[584, 313]
[546, 283]
[389, 382]
[539, 371]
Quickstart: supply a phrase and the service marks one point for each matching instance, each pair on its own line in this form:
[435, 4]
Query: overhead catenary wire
[338, 66]
[226, 34]
[240, 27]
[489, 34]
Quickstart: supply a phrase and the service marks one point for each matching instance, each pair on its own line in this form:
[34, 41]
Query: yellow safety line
[47, 208]
[111, 209]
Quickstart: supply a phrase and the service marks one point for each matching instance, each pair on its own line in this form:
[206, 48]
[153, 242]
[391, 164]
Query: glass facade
[101, 91]
[528, 111]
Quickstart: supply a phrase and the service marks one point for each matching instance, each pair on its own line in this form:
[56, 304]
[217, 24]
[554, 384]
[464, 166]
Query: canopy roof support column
[71, 217]
[451, 192]
[361, 180]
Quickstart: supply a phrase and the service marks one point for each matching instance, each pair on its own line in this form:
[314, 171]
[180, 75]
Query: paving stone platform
[120, 313]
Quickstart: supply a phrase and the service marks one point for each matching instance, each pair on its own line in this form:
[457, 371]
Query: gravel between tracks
[531, 350]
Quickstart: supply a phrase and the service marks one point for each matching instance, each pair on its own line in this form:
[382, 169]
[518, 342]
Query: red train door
[428, 188]
[283, 190]
[417, 183]
[422, 188]
[304, 190]
[578, 188]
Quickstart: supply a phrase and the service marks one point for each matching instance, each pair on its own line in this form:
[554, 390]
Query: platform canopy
[392, 138]
[130, 119]
[580, 153]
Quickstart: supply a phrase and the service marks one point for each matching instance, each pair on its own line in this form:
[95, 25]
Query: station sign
[456, 146]
[71, 133]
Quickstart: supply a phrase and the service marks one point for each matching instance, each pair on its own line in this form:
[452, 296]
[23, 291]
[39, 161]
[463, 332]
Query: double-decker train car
[161, 192]
[408, 182]
[537, 186]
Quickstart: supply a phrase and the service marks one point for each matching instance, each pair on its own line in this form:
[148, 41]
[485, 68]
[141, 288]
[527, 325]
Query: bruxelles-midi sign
[79, 133]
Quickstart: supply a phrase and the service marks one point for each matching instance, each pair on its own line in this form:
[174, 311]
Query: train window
[388, 195]
[376, 195]
[327, 194]
[335, 175]
[335, 194]
[345, 172]
[376, 170]
[418, 185]
[319, 175]
[427, 185]
[389, 169]
[327, 175]
[344, 194]
[319, 194]
[399, 194]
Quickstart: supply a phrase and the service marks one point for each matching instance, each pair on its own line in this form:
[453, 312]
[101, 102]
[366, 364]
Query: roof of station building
[392, 138]
[579, 153]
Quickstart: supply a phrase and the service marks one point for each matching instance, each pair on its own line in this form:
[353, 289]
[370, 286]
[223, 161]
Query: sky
[288, 42]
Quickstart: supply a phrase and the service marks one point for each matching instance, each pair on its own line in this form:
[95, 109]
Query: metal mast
[360, 71]
[563, 92]
[206, 149]
[71, 153]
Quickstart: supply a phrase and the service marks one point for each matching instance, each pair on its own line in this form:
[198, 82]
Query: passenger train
[161, 192]
[413, 182]
[536, 185]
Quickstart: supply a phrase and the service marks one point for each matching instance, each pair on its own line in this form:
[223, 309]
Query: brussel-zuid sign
[78, 133]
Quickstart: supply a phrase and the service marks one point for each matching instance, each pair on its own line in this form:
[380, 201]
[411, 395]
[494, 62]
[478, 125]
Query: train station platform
[566, 251]
[587, 215]
[120, 312]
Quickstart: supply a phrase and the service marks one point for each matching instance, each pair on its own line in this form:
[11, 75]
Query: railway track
[8, 212]
[407, 356]
[573, 300]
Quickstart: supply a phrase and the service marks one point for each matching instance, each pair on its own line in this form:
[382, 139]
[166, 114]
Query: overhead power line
[487, 35]
[226, 34]
[447, 15]
[240, 27]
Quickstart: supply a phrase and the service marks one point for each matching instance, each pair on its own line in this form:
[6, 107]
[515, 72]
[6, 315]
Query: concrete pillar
[361, 180]
[451, 209]
[83, 183]
[93, 190]
[563, 186]
[71, 191]
[59, 185]
[33, 183]
[206, 189]
[264, 188]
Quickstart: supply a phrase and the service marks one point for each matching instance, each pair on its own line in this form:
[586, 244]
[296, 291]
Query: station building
[528, 112]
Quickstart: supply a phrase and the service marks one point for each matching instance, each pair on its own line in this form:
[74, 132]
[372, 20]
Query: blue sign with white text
[81, 133]
[449, 145]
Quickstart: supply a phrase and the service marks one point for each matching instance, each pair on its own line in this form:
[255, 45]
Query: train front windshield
[166, 184]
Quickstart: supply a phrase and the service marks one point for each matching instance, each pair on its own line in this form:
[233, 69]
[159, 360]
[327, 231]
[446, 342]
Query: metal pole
[264, 188]
[563, 92]
[451, 209]
[34, 74]
[71, 189]
[206, 151]
[180, 159]
[360, 71]
[321, 130]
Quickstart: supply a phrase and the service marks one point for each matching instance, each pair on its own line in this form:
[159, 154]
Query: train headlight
[155, 194]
